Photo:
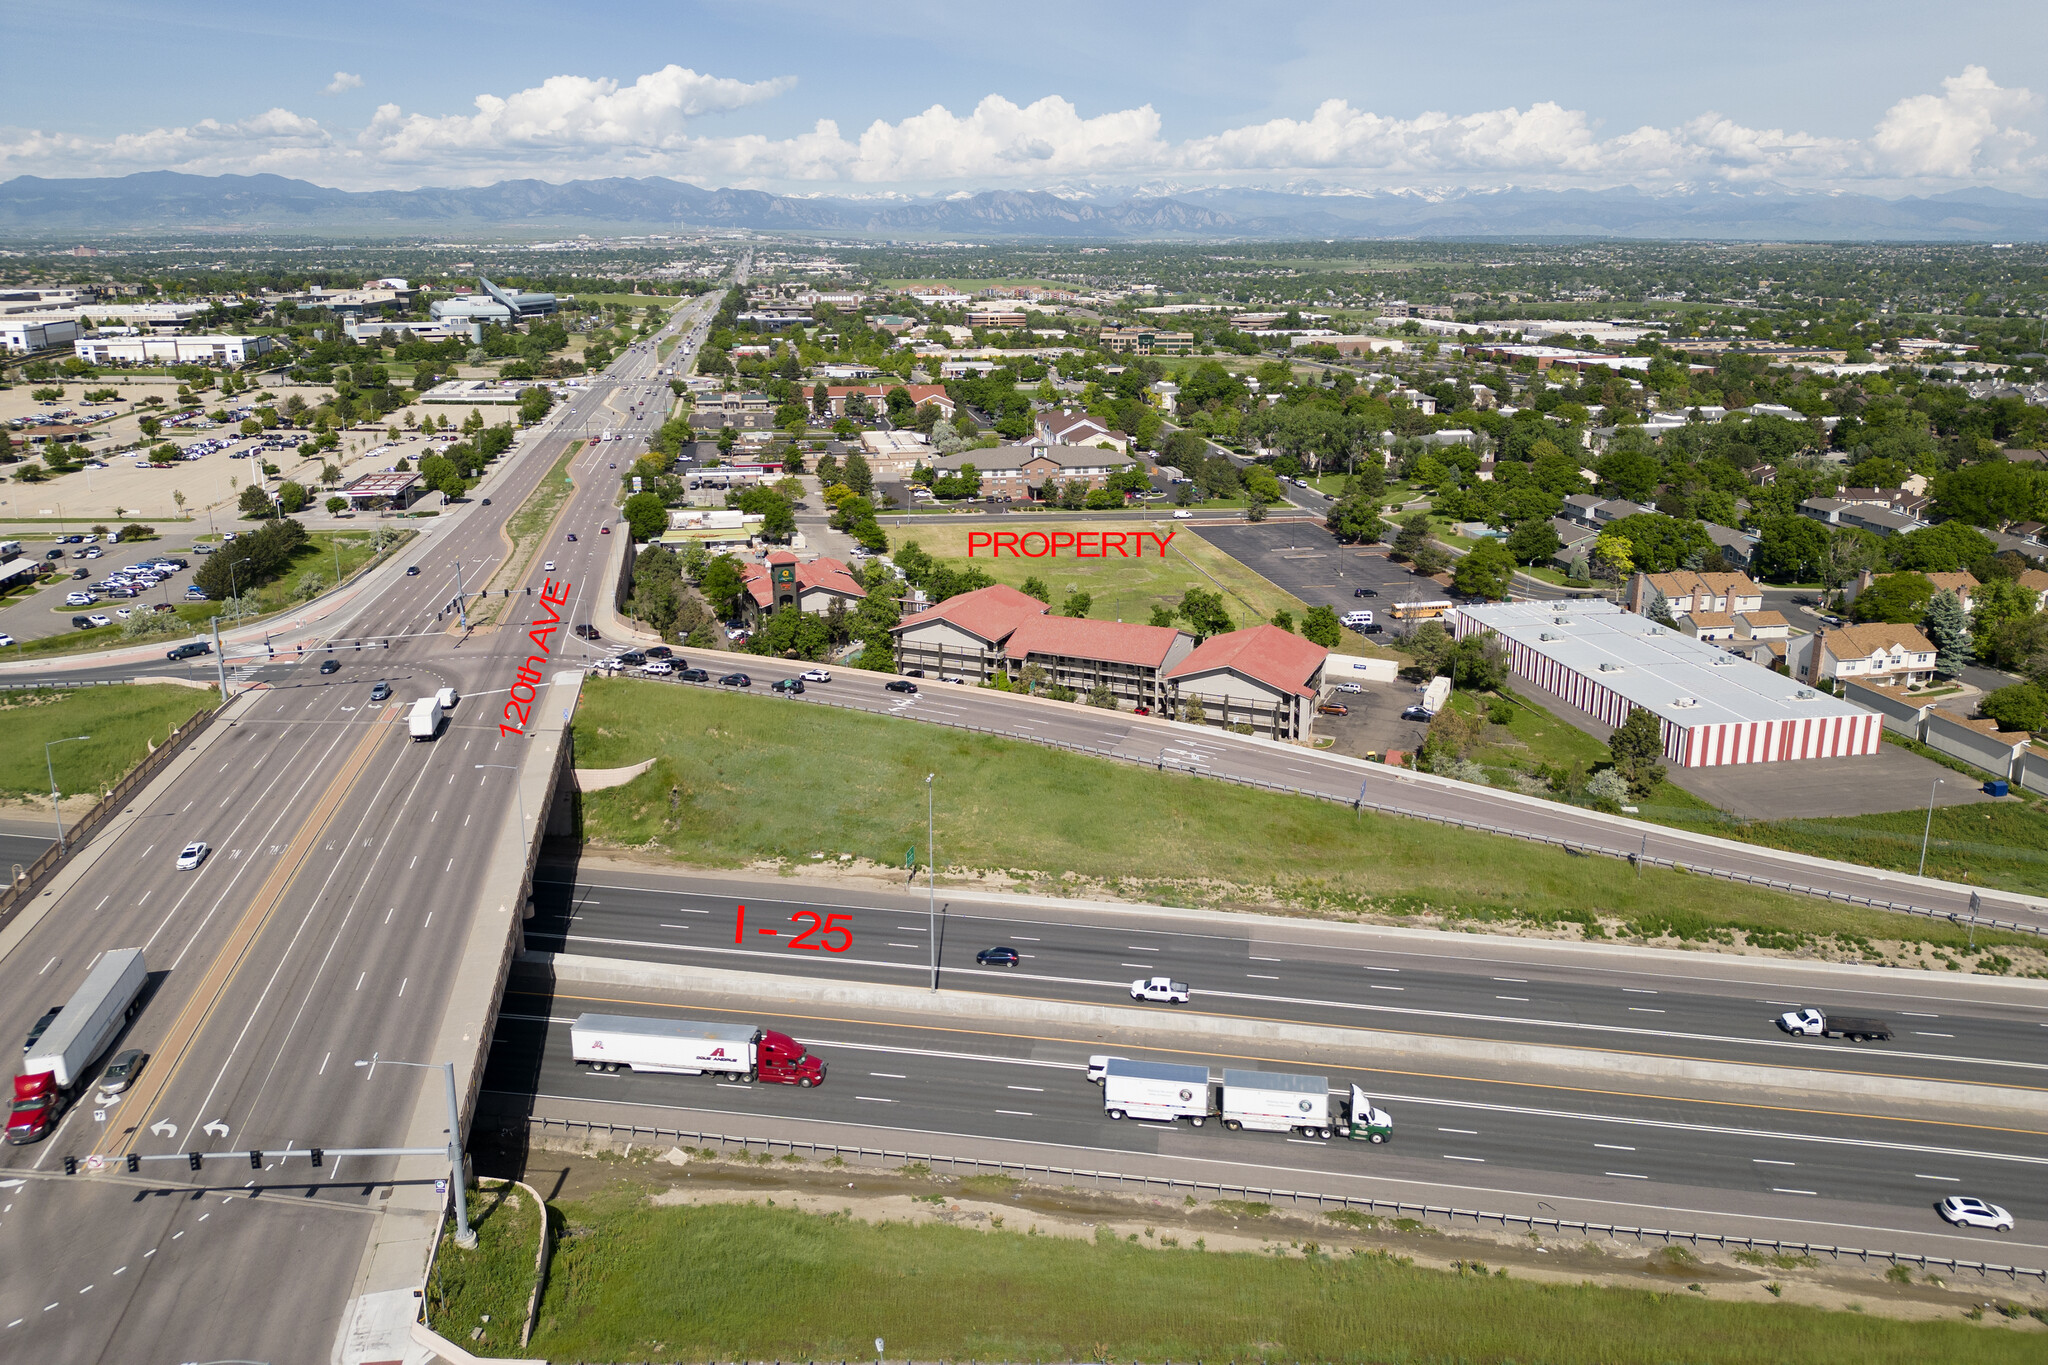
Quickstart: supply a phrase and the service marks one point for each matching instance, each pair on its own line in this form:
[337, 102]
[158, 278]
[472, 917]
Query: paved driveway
[1308, 561]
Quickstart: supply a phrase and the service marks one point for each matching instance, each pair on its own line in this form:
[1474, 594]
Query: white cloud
[343, 80]
[572, 126]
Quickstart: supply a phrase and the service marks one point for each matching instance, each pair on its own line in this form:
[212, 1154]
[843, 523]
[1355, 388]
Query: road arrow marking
[164, 1128]
[216, 1124]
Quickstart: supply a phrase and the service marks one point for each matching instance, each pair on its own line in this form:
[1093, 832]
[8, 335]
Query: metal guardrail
[1568, 845]
[1389, 1207]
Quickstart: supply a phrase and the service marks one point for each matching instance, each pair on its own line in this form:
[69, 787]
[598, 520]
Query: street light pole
[55, 809]
[457, 1186]
[931, 858]
[461, 608]
[1929, 827]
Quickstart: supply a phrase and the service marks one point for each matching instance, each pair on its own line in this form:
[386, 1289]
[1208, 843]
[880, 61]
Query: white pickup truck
[1811, 1023]
[1160, 988]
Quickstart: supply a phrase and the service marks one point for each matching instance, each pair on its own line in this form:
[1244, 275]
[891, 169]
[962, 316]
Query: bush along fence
[1224, 1189]
[1577, 846]
[39, 872]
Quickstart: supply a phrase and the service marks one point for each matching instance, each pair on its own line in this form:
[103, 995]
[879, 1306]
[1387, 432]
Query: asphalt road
[1984, 1031]
[335, 904]
[1701, 1165]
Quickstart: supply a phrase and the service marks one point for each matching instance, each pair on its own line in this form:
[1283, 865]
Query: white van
[1183, 515]
[447, 697]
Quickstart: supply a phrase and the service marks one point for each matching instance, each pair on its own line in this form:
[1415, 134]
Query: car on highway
[380, 691]
[191, 649]
[40, 1027]
[330, 666]
[412, 571]
[487, 502]
[1160, 988]
[815, 675]
[5, 639]
[1965, 1212]
[660, 652]
[735, 680]
[694, 675]
[657, 668]
[899, 685]
[192, 855]
[1098, 1066]
[548, 567]
[789, 686]
[586, 631]
[998, 956]
[604, 530]
[122, 1071]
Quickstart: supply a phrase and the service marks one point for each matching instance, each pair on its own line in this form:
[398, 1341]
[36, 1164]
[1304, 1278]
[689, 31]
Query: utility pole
[931, 875]
[1928, 828]
[461, 607]
[220, 662]
[55, 809]
[458, 1187]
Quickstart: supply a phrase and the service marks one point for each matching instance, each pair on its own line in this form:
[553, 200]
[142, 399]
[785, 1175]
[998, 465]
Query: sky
[1877, 97]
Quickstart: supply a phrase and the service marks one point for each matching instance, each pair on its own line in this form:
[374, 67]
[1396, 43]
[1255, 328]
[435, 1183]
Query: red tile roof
[1116, 642]
[822, 572]
[1266, 654]
[991, 613]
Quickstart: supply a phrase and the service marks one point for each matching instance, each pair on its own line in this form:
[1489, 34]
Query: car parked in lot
[899, 685]
[99, 618]
[79, 599]
[1349, 687]
[1160, 988]
[5, 639]
[1364, 592]
[192, 855]
[1332, 708]
[1965, 1212]
[1416, 713]
[998, 956]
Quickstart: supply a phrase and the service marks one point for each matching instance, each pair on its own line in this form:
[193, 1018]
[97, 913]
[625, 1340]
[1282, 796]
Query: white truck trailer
[425, 720]
[1160, 1091]
[1276, 1102]
[91, 1019]
[689, 1047]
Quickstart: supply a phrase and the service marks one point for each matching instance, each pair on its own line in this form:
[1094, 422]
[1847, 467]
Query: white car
[1160, 988]
[192, 855]
[5, 639]
[657, 668]
[79, 599]
[1098, 1066]
[548, 567]
[123, 613]
[1349, 687]
[100, 619]
[1966, 1212]
[815, 675]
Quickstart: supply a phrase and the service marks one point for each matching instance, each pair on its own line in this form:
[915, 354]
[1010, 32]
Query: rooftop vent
[1805, 694]
[1610, 668]
[1560, 620]
[1549, 635]
[1685, 703]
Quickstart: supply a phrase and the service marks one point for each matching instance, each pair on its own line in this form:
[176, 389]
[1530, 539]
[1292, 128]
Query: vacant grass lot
[1122, 589]
[493, 1279]
[635, 1282]
[121, 720]
[738, 766]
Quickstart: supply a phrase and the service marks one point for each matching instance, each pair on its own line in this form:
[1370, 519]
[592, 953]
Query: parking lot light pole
[457, 1186]
[1929, 829]
[55, 809]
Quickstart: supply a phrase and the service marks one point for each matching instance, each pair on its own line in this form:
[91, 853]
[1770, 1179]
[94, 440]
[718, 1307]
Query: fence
[1576, 846]
[42, 869]
[1221, 1189]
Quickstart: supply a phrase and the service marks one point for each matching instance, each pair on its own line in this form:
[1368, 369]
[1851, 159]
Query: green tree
[1533, 542]
[1035, 587]
[2023, 706]
[1948, 626]
[291, 497]
[1637, 749]
[857, 476]
[1430, 644]
[722, 586]
[255, 503]
[1792, 550]
[1413, 536]
[337, 503]
[1285, 620]
[1613, 556]
[1162, 616]
[1356, 519]
[1203, 612]
[1477, 663]
[646, 515]
[1320, 627]
[534, 404]
[1100, 696]
[1486, 571]
[1900, 598]
[1077, 604]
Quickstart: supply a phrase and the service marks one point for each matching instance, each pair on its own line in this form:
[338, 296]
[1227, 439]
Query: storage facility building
[1714, 707]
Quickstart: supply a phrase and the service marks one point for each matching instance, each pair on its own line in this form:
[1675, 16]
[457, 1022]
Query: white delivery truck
[91, 1019]
[1436, 695]
[1160, 1091]
[689, 1047]
[1276, 1102]
[425, 720]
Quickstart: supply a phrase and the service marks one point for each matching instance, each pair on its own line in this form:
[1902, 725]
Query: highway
[1983, 1030]
[321, 930]
[1701, 1164]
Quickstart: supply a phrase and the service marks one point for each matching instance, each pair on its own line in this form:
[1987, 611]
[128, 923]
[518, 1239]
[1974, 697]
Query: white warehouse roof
[1671, 675]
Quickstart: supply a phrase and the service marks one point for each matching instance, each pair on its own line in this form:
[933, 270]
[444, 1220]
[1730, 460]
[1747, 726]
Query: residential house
[2035, 581]
[1961, 584]
[1762, 475]
[1015, 471]
[1575, 543]
[1686, 592]
[1063, 427]
[1827, 511]
[1876, 655]
[1897, 499]
[964, 635]
[1712, 627]
[1737, 548]
[784, 581]
[1263, 676]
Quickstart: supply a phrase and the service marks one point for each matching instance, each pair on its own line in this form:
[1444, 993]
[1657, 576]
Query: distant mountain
[155, 202]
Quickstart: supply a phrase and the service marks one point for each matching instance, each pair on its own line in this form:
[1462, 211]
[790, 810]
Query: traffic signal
[194, 1160]
[255, 1161]
[71, 1165]
[134, 1162]
[319, 1156]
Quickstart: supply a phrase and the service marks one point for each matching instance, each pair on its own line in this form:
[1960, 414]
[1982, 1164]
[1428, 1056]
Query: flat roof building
[1713, 707]
[172, 350]
[500, 305]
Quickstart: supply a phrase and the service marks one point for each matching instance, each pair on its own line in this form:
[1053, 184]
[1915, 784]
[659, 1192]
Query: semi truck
[1275, 1102]
[1363, 1121]
[1813, 1023]
[80, 1035]
[1159, 1091]
[425, 720]
[688, 1047]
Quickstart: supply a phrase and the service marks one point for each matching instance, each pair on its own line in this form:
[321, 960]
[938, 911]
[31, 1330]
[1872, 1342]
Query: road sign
[99, 1116]
[441, 1185]
[95, 1163]
[910, 856]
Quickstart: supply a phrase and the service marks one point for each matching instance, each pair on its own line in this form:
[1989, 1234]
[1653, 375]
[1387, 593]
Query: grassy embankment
[121, 721]
[323, 555]
[494, 1279]
[1058, 822]
[632, 1281]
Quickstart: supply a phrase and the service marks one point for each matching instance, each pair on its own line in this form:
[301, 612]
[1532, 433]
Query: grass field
[120, 720]
[631, 1281]
[1040, 814]
[492, 1280]
[1123, 589]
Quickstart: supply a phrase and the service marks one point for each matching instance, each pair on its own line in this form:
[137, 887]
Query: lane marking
[1625, 1175]
[1016, 1113]
[1784, 1191]
[874, 1099]
[1766, 1161]
[1467, 1132]
[1950, 1179]
[1480, 1160]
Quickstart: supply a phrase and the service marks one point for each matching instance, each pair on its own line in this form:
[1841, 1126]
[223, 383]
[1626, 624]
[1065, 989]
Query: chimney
[1820, 633]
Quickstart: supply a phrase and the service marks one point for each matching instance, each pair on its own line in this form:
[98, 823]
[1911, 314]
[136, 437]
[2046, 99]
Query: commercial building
[1131, 660]
[1067, 428]
[813, 585]
[173, 350]
[877, 395]
[1712, 707]
[1015, 471]
[506, 307]
[447, 329]
[24, 336]
[384, 490]
[1146, 341]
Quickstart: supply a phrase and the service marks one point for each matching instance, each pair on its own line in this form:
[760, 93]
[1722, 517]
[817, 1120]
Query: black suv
[632, 658]
[793, 686]
[1364, 592]
[735, 680]
[694, 675]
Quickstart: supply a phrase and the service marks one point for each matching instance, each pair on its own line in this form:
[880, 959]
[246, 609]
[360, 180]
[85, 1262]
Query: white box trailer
[91, 1019]
[1160, 1091]
[425, 720]
[691, 1047]
[1276, 1102]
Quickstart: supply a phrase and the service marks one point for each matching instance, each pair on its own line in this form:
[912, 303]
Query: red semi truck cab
[782, 1059]
[38, 1104]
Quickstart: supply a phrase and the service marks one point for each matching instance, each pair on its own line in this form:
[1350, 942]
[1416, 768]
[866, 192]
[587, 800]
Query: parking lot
[1307, 561]
[46, 612]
